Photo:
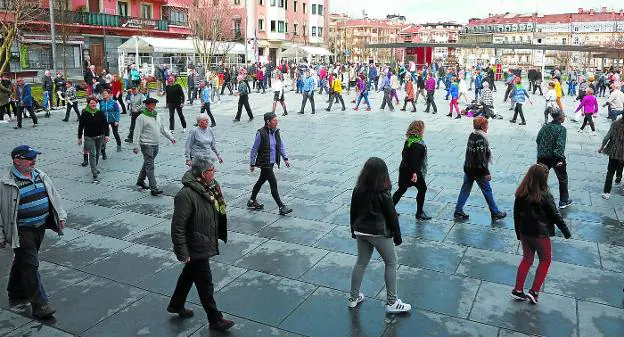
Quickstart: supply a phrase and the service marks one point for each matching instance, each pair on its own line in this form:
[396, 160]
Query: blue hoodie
[454, 91]
[110, 109]
[520, 94]
[372, 72]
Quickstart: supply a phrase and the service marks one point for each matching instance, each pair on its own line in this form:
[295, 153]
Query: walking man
[265, 153]
[29, 205]
[148, 126]
[199, 220]
[243, 99]
[175, 102]
[47, 87]
[24, 102]
[551, 142]
[136, 106]
[478, 157]
[308, 92]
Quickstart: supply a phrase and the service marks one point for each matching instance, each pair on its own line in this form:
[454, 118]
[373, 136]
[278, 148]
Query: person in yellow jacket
[337, 95]
[559, 93]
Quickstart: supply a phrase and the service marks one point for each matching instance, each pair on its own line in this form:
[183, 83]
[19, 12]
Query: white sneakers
[184, 130]
[593, 133]
[354, 302]
[606, 196]
[398, 307]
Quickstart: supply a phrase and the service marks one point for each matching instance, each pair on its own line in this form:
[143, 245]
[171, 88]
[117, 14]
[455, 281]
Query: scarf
[92, 112]
[149, 113]
[418, 139]
[216, 196]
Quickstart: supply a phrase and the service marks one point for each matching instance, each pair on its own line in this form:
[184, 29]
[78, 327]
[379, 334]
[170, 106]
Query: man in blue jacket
[24, 101]
[308, 92]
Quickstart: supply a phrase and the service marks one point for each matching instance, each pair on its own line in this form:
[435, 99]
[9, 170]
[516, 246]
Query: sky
[422, 11]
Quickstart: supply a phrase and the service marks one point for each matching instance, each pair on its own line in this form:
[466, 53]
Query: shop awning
[303, 51]
[150, 45]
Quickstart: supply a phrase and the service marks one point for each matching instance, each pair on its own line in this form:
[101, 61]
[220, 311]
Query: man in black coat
[199, 220]
[175, 102]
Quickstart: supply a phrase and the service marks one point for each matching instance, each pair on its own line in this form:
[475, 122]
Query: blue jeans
[613, 114]
[485, 187]
[364, 95]
[47, 102]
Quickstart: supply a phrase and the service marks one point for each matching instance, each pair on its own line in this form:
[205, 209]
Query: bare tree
[64, 17]
[14, 18]
[212, 27]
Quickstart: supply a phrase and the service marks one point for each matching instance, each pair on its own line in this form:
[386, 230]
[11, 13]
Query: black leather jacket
[538, 219]
[374, 213]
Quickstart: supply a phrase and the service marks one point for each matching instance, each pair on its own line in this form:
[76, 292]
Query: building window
[146, 11]
[122, 8]
[177, 17]
[295, 26]
[304, 8]
[286, 27]
[286, 4]
[272, 3]
[320, 31]
[295, 5]
[319, 11]
[313, 8]
[236, 23]
[273, 25]
[237, 2]
[280, 26]
[564, 41]
[280, 4]
[261, 2]
[261, 24]
[305, 30]
[313, 30]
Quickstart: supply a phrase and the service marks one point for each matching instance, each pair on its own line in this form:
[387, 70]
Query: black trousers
[518, 110]
[24, 278]
[20, 113]
[307, 96]
[121, 102]
[115, 133]
[508, 91]
[431, 101]
[243, 101]
[420, 185]
[172, 111]
[337, 96]
[197, 272]
[228, 85]
[266, 173]
[5, 109]
[408, 100]
[615, 167]
[206, 107]
[71, 106]
[588, 120]
[562, 175]
[133, 117]
[537, 87]
[387, 100]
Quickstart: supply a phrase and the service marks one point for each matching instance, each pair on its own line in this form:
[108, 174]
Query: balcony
[108, 20]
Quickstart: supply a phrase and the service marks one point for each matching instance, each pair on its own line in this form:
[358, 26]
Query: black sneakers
[142, 185]
[519, 295]
[532, 296]
[254, 205]
[460, 215]
[422, 217]
[156, 192]
[44, 311]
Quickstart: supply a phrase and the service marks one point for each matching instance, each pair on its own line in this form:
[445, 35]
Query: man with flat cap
[265, 153]
[29, 204]
[146, 135]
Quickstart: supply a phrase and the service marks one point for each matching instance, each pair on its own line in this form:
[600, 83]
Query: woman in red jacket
[116, 91]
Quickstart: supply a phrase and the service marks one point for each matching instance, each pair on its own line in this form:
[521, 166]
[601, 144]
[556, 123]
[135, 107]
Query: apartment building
[436, 32]
[350, 37]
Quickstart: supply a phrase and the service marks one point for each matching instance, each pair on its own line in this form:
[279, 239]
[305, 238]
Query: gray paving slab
[456, 274]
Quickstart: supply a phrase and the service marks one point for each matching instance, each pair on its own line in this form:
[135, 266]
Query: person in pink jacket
[590, 107]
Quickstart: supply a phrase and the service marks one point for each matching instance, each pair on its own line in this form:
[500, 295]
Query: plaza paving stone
[112, 272]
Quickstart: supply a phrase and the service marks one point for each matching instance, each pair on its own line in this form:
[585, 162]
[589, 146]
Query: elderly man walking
[148, 126]
[29, 204]
[199, 220]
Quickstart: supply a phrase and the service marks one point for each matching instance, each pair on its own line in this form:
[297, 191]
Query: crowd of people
[200, 213]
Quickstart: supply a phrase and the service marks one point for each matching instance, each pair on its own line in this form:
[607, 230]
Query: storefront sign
[138, 23]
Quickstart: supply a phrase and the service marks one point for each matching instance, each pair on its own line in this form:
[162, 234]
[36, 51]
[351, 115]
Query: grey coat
[9, 202]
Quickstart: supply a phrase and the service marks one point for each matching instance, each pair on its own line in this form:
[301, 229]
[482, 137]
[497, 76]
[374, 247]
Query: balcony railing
[108, 20]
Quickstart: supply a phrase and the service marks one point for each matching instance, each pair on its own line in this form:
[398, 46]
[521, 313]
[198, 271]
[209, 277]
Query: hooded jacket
[196, 225]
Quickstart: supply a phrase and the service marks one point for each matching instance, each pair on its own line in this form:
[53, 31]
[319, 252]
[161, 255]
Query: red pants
[454, 104]
[529, 246]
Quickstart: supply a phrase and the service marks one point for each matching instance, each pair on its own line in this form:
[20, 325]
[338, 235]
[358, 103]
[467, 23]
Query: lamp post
[246, 27]
[53, 36]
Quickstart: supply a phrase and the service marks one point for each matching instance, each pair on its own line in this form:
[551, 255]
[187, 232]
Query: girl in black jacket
[413, 167]
[535, 215]
[374, 223]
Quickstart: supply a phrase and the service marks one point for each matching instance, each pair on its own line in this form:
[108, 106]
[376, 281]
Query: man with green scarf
[146, 134]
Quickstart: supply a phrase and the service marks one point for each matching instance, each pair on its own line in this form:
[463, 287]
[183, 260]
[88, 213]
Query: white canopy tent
[305, 51]
[157, 46]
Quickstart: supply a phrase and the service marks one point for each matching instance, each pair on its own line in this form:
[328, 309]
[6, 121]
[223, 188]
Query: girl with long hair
[375, 224]
[413, 167]
[535, 215]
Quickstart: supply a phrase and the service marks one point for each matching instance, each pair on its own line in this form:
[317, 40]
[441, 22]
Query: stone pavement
[112, 272]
